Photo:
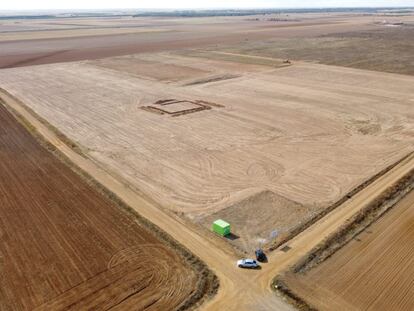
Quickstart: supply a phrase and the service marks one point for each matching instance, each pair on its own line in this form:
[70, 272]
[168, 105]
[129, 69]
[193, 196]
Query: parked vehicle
[247, 263]
[260, 255]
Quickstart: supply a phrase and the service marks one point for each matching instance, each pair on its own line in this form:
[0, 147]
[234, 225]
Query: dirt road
[227, 161]
[240, 289]
[374, 271]
[64, 246]
[304, 242]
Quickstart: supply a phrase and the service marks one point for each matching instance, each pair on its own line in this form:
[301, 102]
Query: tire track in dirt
[239, 290]
[373, 271]
[65, 246]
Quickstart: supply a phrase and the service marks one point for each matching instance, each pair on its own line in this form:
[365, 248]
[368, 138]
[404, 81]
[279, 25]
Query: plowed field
[65, 246]
[373, 272]
[282, 143]
[32, 42]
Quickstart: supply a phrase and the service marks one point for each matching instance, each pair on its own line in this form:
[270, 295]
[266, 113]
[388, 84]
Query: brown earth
[239, 290]
[27, 42]
[65, 246]
[145, 68]
[372, 272]
[259, 218]
[287, 130]
[386, 49]
[306, 95]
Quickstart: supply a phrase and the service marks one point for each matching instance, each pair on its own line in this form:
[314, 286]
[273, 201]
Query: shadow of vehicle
[232, 237]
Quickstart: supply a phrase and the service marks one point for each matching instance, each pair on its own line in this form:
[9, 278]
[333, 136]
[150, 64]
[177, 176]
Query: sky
[180, 4]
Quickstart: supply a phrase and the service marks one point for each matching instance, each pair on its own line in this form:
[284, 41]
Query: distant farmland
[125, 136]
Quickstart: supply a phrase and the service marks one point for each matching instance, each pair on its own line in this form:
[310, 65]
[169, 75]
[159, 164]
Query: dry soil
[65, 246]
[286, 131]
[372, 272]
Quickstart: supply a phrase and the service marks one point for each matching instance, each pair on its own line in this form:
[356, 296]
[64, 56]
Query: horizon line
[213, 8]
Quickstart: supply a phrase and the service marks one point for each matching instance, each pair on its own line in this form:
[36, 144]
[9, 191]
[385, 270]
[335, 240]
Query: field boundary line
[79, 150]
[302, 246]
[338, 203]
[233, 282]
[354, 226]
[208, 283]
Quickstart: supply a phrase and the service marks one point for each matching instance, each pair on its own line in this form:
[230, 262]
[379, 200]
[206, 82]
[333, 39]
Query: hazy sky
[106, 4]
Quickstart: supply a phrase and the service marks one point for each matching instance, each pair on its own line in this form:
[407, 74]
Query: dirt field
[385, 48]
[372, 272]
[65, 246]
[31, 42]
[239, 290]
[283, 137]
[225, 129]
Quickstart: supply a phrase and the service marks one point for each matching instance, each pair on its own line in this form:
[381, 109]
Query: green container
[221, 227]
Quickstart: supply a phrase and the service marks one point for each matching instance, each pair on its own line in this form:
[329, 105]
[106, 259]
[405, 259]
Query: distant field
[372, 272]
[72, 33]
[64, 246]
[386, 48]
[227, 136]
[25, 42]
[268, 121]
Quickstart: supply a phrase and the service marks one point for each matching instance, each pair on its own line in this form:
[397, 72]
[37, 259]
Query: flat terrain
[64, 246]
[372, 272]
[239, 289]
[30, 42]
[386, 48]
[225, 129]
[283, 138]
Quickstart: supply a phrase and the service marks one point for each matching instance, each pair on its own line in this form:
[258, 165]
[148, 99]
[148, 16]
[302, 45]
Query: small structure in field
[221, 227]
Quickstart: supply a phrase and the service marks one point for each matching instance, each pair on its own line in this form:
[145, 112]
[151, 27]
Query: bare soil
[386, 49]
[28, 42]
[222, 160]
[241, 290]
[65, 246]
[287, 130]
[373, 271]
[145, 68]
[259, 218]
